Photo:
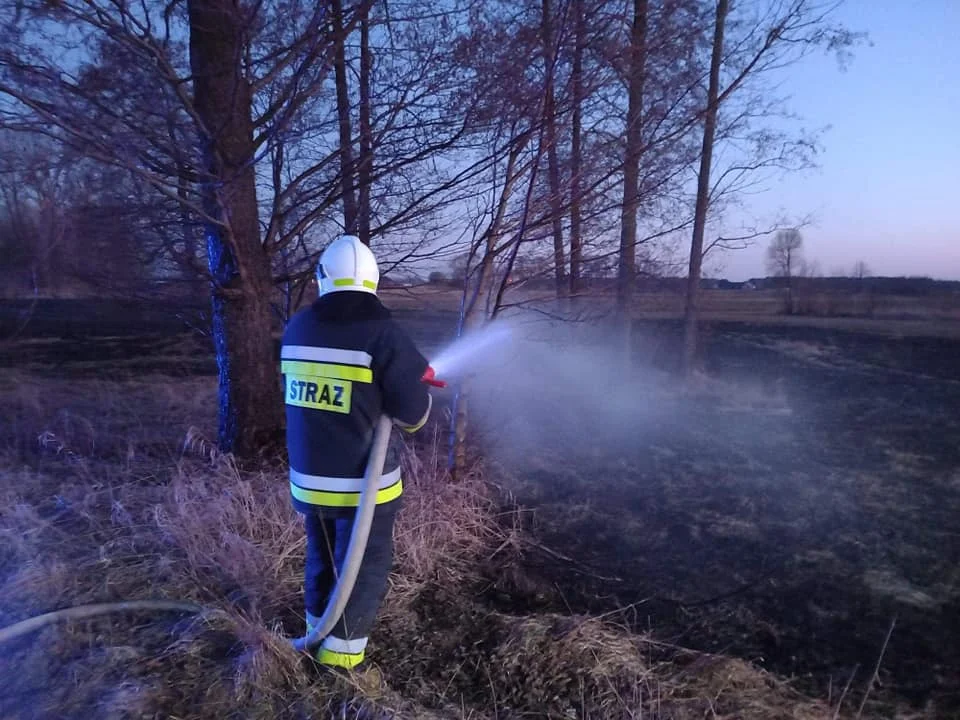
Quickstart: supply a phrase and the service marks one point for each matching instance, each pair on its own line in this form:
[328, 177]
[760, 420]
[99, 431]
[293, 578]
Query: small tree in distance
[785, 259]
[861, 270]
[784, 256]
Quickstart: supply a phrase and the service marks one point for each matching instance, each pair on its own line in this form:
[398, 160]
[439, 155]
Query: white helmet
[347, 264]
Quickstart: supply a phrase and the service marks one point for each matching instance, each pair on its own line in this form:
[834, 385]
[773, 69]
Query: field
[741, 548]
[787, 511]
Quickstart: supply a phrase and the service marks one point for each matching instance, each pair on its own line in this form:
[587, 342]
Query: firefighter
[344, 363]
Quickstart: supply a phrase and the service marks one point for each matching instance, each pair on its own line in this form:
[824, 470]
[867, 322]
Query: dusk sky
[888, 187]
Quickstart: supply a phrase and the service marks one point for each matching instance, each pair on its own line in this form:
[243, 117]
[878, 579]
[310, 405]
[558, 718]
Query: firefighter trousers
[328, 534]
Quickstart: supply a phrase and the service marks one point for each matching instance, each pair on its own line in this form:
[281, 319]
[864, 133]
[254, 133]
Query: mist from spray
[537, 386]
[534, 385]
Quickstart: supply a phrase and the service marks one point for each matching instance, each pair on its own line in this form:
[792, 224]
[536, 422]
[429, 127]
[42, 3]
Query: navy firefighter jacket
[345, 362]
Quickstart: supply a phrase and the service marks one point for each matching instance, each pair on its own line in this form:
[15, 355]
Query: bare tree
[34, 185]
[59, 211]
[703, 190]
[425, 128]
[861, 271]
[550, 138]
[365, 164]
[785, 259]
[239, 264]
[576, 148]
[481, 294]
[253, 154]
[347, 167]
[144, 126]
[411, 158]
[766, 36]
[631, 166]
[509, 117]
[521, 215]
[784, 255]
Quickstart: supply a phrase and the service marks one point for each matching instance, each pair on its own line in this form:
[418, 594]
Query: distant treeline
[905, 286]
[913, 286]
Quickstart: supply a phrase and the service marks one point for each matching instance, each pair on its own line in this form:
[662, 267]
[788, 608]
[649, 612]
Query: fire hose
[81, 612]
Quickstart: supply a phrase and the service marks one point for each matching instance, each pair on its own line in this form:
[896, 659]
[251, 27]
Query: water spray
[466, 352]
[454, 359]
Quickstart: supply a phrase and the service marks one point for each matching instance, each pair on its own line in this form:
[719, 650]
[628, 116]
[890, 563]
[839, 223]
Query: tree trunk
[575, 149]
[249, 393]
[193, 280]
[691, 329]
[472, 314]
[347, 169]
[631, 170]
[365, 167]
[550, 132]
[44, 263]
[791, 304]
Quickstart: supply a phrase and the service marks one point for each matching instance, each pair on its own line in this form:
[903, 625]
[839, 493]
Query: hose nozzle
[430, 378]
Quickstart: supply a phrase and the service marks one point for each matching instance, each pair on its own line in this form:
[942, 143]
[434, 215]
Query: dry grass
[101, 503]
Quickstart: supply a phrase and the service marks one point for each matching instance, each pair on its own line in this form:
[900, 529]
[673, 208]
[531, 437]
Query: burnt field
[789, 510]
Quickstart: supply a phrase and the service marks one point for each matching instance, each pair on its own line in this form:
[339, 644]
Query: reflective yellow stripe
[339, 659]
[337, 499]
[415, 428]
[350, 282]
[327, 370]
[423, 421]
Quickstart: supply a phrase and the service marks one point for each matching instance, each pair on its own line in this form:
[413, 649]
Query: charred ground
[787, 511]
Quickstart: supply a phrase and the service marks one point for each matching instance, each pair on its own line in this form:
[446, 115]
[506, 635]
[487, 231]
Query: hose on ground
[81, 612]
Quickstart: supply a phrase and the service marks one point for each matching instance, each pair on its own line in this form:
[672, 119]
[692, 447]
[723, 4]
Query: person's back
[345, 362]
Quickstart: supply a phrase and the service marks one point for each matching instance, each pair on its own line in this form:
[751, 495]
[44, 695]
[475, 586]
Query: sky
[887, 189]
